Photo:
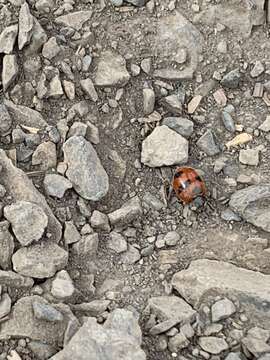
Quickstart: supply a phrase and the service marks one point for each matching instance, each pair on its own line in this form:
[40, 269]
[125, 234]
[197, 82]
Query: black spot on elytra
[178, 174]
[198, 178]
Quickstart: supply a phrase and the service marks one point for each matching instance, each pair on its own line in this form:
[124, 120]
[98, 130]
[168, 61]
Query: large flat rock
[21, 188]
[205, 276]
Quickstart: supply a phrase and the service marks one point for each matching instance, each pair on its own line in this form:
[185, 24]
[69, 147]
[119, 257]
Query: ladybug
[188, 185]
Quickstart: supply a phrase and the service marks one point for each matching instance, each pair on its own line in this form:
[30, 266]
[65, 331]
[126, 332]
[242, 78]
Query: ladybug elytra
[188, 185]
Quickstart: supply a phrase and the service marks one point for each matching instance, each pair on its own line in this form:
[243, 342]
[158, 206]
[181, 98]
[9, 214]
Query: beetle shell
[188, 185]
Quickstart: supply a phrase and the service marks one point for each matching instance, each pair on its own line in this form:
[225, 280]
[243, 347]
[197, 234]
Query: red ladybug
[188, 185]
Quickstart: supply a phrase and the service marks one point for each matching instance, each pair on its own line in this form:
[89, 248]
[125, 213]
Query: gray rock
[120, 165]
[85, 171]
[6, 245]
[15, 280]
[264, 357]
[153, 202]
[45, 155]
[173, 104]
[117, 2]
[25, 116]
[148, 101]
[40, 261]
[166, 42]
[205, 275]
[26, 24]
[255, 346]
[51, 49]
[146, 65]
[10, 70]
[86, 62]
[164, 147]
[23, 324]
[131, 256]
[111, 70]
[93, 308]
[222, 309]
[233, 356]
[257, 69]
[56, 185]
[46, 312]
[253, 204]
[207, 143]
[71, 234]
[129, 212]
[5, 120]
[41, 351]
[171, 238]
[249, 157]
[92, 133]
[18, 184]
[62, 286]
[229, 215]
[78, 128]
[138, 3]
[38, 39]
[7, 39]
[178, 342]
[228, 121]
[55, 89]
[117, 242]
[213, 345]
[100, 221]
[89, 89]
[5, 305]
[265, 126]
[181, 125]
[28, 221]
[259, 333]
[74, 20]
[87, 246]
[119, 335]
[231, 80]
[171, 308]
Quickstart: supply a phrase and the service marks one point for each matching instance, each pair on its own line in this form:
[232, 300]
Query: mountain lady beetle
[188, 185]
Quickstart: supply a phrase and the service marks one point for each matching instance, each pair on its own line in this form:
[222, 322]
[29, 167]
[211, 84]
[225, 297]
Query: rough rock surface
[85, 171]
[164, 147]
[119, 337]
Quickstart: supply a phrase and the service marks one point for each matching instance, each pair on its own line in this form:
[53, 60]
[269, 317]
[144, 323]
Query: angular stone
[87, 246]
[89, 88]
[117, 242]
[231, 80]
[62, 286]
[100, 221]
[25, 116]
[265, 126]
[255, 346]
[6, 245]
[181, 125]
[45, 155]
[207, 143]
[74, 20]
[10, 70]
[55, 88]
[38, 38]
[85, 170]
[131, 256]
[111, 70]
[249, 157]
[21, 188]
[119, 335]
[23, 324]
[93, 308]
[228, 121]
[5, 120]
[71, 234]
[173, 104]
[148, 101]
[15, 280]
[222, 309]
[26, 24]
[28, 221]
[40, 350]
[7, 39]
[205, 275]
[46, 312]
[178, 342]
[56, 185]
[40, 261]
[164, 147]
[257, 69]
[253, 204]
[138, 3]
[5, 305]
[51, 49]
[129, 212]
[213, 345]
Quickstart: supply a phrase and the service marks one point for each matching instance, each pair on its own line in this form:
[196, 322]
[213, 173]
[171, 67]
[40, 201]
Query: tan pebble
[239, 139]
[194, 103]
